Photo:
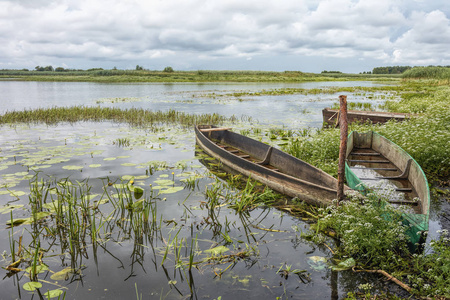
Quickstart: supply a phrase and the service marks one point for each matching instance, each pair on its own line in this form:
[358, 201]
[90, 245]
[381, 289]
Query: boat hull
[281, 172]
[372, 160]
[330, 116]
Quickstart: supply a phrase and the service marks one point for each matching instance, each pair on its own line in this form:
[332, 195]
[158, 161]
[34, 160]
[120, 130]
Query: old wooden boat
[330, 116]
[375, 163]
[278, 170]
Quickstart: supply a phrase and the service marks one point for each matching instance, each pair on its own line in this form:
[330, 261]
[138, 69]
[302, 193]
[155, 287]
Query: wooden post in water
[343, 146]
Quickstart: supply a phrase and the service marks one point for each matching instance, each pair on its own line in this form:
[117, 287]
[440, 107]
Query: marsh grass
[134, 116]
[96, 75]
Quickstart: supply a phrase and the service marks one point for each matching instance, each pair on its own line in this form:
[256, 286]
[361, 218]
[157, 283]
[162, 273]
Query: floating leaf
[17, 193]
[318, 263]
[164, 176]
[32, 286]
[172, 190]
[128, 164]
[138, 192]
[61, 275]
[8, 208]
[110, 158]
[164, 182]
[344, 265]
[95, 166]
[127, 177]
[39, 269]
[217, 250]
[53, 293]
[72, 167]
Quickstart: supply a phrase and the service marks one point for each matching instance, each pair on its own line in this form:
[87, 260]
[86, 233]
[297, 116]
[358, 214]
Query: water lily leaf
[172, 190]
[344, 265]
[138, 192]
[31, 286]
[127, 177]
[17, 193]
[72, 167]
[217, 250]
[120, 185]
[124, 156]
[110, 158]
[95, 166]
[39, 269]
[53, 293]
[102, 201]
[164, 176]
[164, 182]
[141, 177]
[317, 263]
[21, 173]
[128, 164]
[61, 275]
[17, 221]
[8, 208]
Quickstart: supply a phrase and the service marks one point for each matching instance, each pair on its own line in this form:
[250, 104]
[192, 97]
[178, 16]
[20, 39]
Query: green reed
[133, 116]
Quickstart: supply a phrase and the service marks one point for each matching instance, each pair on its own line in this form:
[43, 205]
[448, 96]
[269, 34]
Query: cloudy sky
[305, 35]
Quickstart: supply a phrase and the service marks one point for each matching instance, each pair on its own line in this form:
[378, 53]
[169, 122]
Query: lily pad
[164, 182]
[53, 293]
[138, 192]
[39, 269]
[128, 164]
[61, 275]
[109, 158]
[344, 265]
[217, 250]
[95, 166]
[8, 208]
[172, 190]
[318, 263]
[32, 286]
[72, 167]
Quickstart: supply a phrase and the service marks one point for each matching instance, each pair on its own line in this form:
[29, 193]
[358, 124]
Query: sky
[350, 36]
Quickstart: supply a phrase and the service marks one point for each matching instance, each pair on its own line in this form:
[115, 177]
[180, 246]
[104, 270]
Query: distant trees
[168, 70]
[47, 68]
[390, 70]
[139, 68]
[325, 71]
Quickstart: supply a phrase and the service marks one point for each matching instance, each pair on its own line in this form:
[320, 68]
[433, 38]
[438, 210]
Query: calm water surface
[123, 265]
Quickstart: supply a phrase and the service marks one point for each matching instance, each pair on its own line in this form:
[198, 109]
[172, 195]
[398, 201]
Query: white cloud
[205, 31]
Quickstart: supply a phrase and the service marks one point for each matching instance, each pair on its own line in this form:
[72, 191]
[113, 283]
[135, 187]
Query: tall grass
[425, 136]
[430, 72]
[133, 116]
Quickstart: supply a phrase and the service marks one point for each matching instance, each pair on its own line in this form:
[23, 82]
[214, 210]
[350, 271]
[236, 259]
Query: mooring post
[343, 146]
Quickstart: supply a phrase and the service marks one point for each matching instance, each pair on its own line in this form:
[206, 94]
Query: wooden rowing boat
[330, 116]
[375, 163]
[278, 170]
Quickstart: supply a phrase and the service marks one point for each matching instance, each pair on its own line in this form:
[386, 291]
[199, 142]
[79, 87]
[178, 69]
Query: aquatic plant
[133, 116]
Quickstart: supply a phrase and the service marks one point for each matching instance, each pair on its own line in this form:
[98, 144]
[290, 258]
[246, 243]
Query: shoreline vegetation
[169, 75]
[423, 91]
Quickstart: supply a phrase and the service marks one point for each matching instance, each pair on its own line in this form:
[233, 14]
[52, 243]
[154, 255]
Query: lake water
[126, 258]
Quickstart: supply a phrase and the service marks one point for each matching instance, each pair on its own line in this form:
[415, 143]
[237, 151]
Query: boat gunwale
[413, 161]
[258, 167]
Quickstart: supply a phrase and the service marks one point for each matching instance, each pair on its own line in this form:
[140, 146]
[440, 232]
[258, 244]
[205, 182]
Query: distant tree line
[325, 71]
[390, 70]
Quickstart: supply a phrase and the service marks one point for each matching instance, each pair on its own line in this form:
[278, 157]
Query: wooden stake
[342, 147]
